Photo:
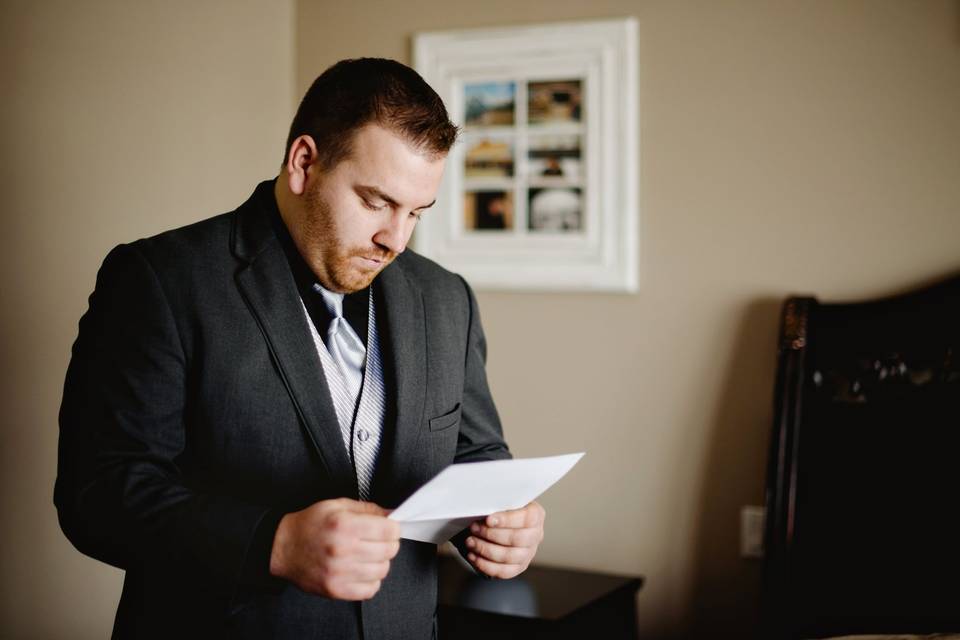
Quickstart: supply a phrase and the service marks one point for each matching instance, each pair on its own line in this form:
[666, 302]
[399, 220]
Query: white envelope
[462, 493]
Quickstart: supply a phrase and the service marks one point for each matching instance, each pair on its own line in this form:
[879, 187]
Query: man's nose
[394, 234]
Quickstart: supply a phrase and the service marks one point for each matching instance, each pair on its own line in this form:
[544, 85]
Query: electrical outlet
[751, 531]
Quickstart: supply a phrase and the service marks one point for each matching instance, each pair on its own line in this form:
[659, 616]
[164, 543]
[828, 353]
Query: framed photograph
[540, 192]
[488, 104]
[554, 101]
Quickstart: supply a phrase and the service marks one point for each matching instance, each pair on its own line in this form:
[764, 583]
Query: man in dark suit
[250, 394]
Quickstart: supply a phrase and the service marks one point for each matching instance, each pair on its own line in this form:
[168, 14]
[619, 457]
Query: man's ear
[301, 159]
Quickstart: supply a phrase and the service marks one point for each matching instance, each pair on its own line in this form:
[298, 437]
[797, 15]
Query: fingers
[504, 543]
[365, 527]
[357, 550]
[349, 571]
[495, 570]
[356, 591]
[365, 551]
[356, 575]
[498, 553]
[346, 581]
[336, 548]
[531, 515]
[498, 561]
[361, 520]
[508, 537]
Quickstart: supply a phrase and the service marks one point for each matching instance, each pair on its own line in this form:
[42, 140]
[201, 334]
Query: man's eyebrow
[370, 191]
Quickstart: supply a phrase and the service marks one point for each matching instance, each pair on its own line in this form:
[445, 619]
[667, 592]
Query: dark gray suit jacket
[195, 413]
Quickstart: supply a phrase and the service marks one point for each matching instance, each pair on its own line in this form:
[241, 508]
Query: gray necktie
[347, 365]
[344, 346]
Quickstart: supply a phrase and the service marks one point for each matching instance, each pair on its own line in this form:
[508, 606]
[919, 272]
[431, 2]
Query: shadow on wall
[726, 596]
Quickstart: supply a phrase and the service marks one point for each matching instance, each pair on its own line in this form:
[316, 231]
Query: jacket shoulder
[426, 273]
[443, 292]
[190, 242]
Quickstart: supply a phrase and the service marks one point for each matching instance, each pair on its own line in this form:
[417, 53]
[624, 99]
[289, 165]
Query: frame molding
[598, 252]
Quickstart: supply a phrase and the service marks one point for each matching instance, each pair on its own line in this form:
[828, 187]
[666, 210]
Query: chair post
[781, 482]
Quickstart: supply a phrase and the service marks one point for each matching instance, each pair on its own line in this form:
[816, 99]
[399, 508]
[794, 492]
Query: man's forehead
[377, 136]
[386, 165]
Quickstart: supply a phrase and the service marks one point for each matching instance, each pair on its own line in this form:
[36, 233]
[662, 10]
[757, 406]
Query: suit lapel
[405, 343]
[267, 285]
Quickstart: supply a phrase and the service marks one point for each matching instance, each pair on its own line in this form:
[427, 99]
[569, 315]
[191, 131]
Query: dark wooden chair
[863, 483]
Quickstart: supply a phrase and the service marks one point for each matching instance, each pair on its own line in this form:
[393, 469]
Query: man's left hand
[503, 544]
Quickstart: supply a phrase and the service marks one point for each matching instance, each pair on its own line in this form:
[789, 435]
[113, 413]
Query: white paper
[462, 493]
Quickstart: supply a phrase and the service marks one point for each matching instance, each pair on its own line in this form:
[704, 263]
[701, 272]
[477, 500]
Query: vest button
[363, 435]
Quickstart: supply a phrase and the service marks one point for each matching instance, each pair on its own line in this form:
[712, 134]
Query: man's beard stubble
[331, 259]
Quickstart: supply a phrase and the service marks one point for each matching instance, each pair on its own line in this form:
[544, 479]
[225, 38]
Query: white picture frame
[540, 192]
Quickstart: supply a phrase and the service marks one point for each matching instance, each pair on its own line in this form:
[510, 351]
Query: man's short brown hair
[354, 93]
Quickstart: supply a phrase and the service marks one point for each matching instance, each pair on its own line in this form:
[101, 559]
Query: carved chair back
[863, 482]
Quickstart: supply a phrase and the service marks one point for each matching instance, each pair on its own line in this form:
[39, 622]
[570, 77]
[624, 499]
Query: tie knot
[333, 301]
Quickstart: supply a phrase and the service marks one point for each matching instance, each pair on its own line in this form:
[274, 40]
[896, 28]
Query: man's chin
[356, 281]
[357, 272]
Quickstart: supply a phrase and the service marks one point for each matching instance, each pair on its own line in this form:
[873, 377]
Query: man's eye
[416, 214]
[372, 206]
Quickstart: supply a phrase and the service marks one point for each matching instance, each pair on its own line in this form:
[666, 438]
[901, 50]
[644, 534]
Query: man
[249, 395]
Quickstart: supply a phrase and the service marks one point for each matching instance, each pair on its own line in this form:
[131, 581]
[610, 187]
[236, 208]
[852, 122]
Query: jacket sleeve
[120, 493]
[481, 435]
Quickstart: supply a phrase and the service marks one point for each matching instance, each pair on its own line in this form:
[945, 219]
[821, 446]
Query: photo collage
[523, 156]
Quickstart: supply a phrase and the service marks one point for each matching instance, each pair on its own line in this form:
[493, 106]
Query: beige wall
[807, 146]
[120, 119]
[785, 146]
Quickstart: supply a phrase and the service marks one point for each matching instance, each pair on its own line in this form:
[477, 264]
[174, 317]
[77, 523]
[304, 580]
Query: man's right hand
[336, 548]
